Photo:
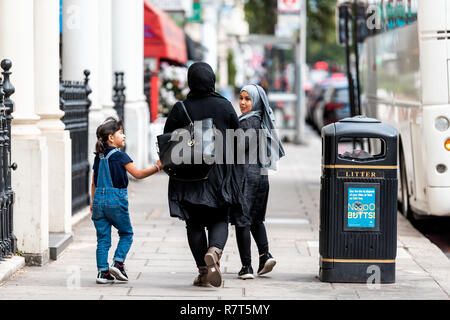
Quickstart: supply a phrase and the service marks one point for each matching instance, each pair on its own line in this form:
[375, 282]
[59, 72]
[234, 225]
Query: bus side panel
[438, 183]
[434, 69]
[391, 92]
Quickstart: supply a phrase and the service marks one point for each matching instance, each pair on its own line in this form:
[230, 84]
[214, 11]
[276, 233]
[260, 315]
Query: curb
[10, 266]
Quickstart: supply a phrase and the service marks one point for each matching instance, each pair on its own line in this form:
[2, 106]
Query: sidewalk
[160, 265]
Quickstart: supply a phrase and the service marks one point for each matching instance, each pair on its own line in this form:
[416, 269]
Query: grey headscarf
[252, 91]
[262, 109]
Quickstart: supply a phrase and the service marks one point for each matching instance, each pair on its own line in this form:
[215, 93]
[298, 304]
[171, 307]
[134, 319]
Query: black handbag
[187, 154]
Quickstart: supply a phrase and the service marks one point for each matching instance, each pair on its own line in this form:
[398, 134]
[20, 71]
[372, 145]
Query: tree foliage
[321, 32]
[321, 44]
[231, 68]
[261, 16]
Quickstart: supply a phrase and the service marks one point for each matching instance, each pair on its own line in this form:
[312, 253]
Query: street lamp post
[300, 64]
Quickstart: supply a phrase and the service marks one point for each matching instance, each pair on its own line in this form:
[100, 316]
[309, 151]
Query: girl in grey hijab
[261, 109]
[257, 115]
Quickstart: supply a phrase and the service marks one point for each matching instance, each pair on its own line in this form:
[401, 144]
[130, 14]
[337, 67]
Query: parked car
[333, 105]
[338, 107]
[314, 98]
[315, 78]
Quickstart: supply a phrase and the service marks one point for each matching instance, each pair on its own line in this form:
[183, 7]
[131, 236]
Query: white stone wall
[102, 36]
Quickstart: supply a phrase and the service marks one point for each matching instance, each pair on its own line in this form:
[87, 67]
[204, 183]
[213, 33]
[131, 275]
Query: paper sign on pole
[289, 6]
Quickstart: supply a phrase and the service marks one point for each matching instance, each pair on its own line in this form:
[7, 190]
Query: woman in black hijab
[204, 204]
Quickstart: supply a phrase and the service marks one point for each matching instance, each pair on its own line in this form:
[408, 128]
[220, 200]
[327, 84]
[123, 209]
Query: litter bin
[358, 201]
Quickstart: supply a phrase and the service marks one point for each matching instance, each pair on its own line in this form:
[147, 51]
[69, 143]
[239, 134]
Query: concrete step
[58, 242]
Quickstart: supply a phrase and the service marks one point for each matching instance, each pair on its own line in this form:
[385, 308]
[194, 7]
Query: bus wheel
[404, 207]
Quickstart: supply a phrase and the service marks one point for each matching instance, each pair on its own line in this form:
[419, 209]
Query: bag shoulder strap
[185, 111]
[111, 153]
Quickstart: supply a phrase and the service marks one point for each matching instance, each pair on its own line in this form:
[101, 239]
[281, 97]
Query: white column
[105, 58]
[81, 51]
[209, 33]
[223, 45]
[28, 146]
[128, 56]
[46, 79]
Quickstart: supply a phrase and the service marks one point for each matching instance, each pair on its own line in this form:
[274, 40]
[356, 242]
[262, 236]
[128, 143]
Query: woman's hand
[159, 164]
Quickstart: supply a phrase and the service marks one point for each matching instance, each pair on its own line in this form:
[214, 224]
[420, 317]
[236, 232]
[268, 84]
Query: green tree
[231, 68]
[261, 16]
[321, 34]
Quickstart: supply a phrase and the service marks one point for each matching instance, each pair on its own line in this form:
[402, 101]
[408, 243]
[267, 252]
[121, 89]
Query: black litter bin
[358, 201]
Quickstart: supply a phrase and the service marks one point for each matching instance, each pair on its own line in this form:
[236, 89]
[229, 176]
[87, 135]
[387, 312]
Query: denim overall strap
[104, 177]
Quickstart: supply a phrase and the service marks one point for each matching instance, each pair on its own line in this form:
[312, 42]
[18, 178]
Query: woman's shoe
[212, 258]
[266, 263]
[201, 280]
[246, 273]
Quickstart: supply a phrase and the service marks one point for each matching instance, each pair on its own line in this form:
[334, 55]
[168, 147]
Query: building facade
[101, 36]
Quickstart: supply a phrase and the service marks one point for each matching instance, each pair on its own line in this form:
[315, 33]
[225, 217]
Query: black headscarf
[201, 81]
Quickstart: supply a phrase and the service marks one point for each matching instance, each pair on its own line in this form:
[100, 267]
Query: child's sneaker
[118, 270]
[105, 277]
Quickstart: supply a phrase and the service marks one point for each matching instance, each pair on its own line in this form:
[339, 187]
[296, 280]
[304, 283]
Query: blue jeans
[110, 208]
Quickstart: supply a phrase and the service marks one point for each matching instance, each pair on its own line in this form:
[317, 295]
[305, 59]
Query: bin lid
[359, 127]
[360, 118]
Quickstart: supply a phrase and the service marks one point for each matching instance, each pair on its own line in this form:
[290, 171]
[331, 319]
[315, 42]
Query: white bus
[405, 82]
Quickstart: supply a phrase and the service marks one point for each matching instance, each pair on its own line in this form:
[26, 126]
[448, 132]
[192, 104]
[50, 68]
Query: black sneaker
[118, 270]
[105, 277]
[246, 273]
[266, 263]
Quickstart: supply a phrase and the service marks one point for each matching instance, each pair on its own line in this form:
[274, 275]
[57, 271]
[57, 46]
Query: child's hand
[159, 164]
[91, 207]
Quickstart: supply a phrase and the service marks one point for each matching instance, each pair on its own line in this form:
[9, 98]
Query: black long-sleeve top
[217, 191]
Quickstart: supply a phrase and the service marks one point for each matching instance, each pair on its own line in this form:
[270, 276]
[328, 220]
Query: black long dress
[217, 191]
[255, 184]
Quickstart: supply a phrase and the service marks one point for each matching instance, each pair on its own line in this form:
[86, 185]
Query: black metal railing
[75, 103]
[119, 95]
[8, 242]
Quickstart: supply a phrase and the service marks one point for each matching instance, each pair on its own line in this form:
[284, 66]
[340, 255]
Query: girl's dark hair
[109, 126]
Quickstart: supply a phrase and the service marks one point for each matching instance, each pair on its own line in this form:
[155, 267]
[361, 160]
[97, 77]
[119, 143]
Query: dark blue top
[116, 161]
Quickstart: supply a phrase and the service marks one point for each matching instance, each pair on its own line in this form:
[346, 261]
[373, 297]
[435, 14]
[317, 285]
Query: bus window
[412, 11]
[401, 13]
[390, 15]
[382, 15]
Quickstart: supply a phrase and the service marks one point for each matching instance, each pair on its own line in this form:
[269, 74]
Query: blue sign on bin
[361, 207]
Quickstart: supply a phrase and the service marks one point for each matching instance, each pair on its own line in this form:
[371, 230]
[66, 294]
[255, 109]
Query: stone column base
[36, 259]
[96, 118]
[30, 185]
[137, 119]
[60, 180]
[154, 130]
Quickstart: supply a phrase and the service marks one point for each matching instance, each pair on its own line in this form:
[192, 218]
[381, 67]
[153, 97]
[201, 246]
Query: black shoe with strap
[118, 270]
[104, 277]
[266, 263]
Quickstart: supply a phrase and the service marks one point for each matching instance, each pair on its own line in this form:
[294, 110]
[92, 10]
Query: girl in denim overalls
[109, 206]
